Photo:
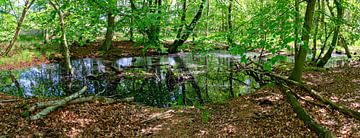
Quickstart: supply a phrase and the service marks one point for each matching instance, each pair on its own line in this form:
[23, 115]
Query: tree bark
[297, 22]
[310, 91]
[345, 45]
[302, 52]
[66, 50]
[188, 30]
[182, 20]
[314, 48]
[306, 117]
[207, 18]
[322, 50]
[340, 13]
[46, 36]
[230, 29]
[315, 94]
[109, 32]
[58, 104]
[28, 4]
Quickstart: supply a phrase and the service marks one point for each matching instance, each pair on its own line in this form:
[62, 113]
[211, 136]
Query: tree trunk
[317, 18]
[46, 36]
[297, 22]
[182, 20]
[345, 45]
[306, 117]
[315, 94]
[324, 45]
[230, 30]
[109, 32]
[301, 54]
[340, 13]
[28, 4]
[189, 29]
[131, 28]
[58, 104]
[207, 18]
[66, 50]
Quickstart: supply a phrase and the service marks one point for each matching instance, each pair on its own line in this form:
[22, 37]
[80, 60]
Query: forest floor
[264, 113]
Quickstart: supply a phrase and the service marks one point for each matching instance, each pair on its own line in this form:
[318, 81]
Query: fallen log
[8, 100]
[40, 105]
[81, 100]
[303, 115]
[102, 99]
[315, 94]
[58, 104]
[312, 92]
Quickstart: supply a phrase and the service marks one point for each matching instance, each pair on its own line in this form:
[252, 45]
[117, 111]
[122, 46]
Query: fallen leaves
[264, 113]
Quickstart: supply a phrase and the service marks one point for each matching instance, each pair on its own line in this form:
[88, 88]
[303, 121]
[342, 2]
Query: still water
[163, 81]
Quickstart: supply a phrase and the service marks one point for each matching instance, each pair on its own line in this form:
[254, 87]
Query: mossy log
[8, 100]
[315, 94]
[311, 91]
[79, 100]
[303, 115]
[57, 104]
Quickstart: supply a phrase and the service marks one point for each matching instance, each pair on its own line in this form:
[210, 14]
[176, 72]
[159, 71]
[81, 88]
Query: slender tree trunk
[28, 4]
[131, 27]
[46, 36]
[340, 14]
[207, 20]
[324, 45]
[317, 18]
[230, 30]
[301, 54]
[109, 32]
[189, 29]
[66, 50]
[182, 21]
[297, 22]
[345, 45]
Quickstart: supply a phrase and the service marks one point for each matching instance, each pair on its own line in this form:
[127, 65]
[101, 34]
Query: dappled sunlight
[73, 132]
[151, 130]
[346, 129]
[334, 98]
[229, 129]
[356, 81]
[180, 68]
[81, 123]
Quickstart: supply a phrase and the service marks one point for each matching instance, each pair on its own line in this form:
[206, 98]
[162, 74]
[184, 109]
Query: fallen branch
[9, 100]
[303, 115]
[311, 91]
[159, 116]
[315, 94]
[58, 104]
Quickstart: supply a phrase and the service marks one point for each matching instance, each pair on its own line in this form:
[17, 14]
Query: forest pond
[162, 81]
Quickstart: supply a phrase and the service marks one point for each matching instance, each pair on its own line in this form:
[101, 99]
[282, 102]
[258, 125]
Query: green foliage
[25, 114]
[205, 116]
[7, 27]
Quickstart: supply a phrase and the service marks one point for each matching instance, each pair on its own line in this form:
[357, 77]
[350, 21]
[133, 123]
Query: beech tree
[28, 4]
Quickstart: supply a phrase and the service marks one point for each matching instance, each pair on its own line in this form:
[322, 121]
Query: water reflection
[183, 79]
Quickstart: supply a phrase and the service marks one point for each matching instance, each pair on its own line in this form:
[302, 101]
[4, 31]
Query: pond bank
[264, 113]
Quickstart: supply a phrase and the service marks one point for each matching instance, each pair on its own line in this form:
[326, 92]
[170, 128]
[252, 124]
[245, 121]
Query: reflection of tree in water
[158, 81]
